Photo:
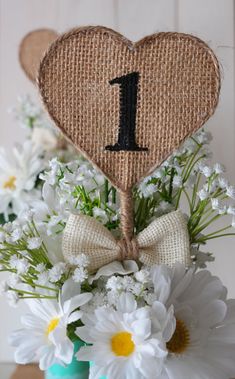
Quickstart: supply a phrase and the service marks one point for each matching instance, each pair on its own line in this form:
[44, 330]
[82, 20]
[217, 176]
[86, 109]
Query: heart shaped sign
[127, 106]
[32, 49]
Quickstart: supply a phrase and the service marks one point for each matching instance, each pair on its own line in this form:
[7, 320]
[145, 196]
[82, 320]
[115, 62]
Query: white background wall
[211, 20]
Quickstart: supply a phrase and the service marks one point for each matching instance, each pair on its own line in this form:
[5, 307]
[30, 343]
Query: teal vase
[76, 369]
[102, 377]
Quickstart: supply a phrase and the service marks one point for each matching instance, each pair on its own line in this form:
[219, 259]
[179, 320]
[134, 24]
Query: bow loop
[164, 241]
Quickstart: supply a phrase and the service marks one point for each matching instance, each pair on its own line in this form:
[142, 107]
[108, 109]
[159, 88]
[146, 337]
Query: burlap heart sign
[32, 49]
[126, 105]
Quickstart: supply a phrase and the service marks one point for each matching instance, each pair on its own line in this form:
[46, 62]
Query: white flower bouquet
[20, 184]
[130, 320]
[115, 278]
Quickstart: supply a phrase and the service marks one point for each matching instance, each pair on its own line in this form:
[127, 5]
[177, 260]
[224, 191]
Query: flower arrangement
[176, 319]
[20, 184]
[115, 275]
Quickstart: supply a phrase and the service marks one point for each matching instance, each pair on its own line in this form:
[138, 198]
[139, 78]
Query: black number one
[128, 105]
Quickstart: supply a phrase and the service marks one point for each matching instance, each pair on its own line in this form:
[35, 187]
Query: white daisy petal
[213, 313]
[126, 303]
[65, 351]
[75, 316]
[76, 302]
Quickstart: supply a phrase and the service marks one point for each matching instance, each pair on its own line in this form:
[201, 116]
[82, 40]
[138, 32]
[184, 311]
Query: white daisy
[18, 177]
[204, 338]
[124, 342]
[44, 337]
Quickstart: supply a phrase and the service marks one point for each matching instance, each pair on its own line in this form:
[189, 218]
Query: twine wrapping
[164, 241]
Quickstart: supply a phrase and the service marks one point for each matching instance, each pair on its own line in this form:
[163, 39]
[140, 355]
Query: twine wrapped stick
[128, 244]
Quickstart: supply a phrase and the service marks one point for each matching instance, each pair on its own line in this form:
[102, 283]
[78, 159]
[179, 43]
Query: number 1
[127, 121]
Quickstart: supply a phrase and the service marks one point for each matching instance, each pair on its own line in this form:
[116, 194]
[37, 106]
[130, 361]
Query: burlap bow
[164, 241]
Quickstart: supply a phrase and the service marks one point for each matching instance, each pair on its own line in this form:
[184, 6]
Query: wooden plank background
[211, 20]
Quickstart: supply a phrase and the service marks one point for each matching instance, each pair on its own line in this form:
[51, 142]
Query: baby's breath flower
[56, 272]
[13, 261]
[34, 243]
[16, 234]
[112, 297]
[100, 214]
[159, 173]
[81, 260]
[231, 210]
[231, 192]
[148, 190]
[218, 205]
[223, 183]
[98, 300]
[204, 137]
[43, 278]
[177, 181]
[207, 171]
[137, 289]
[41, 267]
[22, 266]
[114, 283]
[80, 275]
[219, 168]
[142, 276]
[165, 207]
[149, 297]
[127, 283]
[203, 195]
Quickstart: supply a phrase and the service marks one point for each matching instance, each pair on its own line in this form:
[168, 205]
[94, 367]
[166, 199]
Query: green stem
[199, 229]
[38, 296]
[106, 190]
[213, 237]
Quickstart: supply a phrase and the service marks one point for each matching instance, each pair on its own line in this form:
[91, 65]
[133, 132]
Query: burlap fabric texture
[173, 83]
[164, 241]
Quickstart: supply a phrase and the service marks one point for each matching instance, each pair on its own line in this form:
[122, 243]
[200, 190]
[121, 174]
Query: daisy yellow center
[10, 183]
[52, 325]
[180, 340]
[122, 344]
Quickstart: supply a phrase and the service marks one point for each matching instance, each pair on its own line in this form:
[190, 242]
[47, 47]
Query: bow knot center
[128, 249]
